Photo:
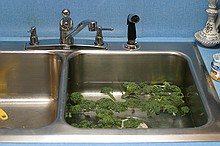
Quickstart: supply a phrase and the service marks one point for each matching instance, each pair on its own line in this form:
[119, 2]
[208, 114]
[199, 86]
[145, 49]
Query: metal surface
[67, 32]
[91, 26]
[99, 37]
[29, 84]
[79, 44]
[66, 25]
[33, 36]
[91, 71]
[86, 71]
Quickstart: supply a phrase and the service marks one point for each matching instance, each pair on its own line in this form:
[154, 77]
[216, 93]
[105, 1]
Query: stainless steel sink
[29, 85]
[58, 73]
[90, 71]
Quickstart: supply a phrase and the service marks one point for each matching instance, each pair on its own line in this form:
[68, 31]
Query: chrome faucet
[67, 32]
[210, 36]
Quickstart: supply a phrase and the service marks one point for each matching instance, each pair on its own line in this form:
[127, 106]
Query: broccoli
[101, 113]
[121, 106]
[171, 109]
[106, 103]
[88, 105]
[185, 110]
[131, 89]
[76, 98]
[133, 103]
[151, 106]
[85, 124]
[108, 91]
[146, 89]
[161, 98]
[131, 123]
[109, 122]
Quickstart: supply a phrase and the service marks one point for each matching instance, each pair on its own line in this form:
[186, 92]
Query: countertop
[206, 54]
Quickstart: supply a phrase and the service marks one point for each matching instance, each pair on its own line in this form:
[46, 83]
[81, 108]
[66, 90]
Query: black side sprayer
[131, 21]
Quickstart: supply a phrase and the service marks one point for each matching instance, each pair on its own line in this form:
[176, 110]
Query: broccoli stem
[108, 91]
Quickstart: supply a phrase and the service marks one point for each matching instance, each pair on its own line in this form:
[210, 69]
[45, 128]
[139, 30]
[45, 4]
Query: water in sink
[159, 120]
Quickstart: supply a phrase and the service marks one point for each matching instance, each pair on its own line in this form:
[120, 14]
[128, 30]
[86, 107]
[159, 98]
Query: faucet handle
[107, 29]
[66, 23]
[32, 30]
[66, 13]
[99, 30]
[99, 37]
[33, 36]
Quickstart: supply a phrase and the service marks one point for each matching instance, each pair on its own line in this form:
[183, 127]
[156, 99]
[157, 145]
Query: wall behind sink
[159, 18]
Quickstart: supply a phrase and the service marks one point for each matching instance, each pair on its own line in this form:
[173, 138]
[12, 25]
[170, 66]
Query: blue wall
[159, 18]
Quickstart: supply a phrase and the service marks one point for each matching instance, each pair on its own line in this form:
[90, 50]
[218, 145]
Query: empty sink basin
[29, 83]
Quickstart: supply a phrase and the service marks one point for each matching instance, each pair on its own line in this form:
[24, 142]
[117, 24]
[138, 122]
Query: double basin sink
[34, 85]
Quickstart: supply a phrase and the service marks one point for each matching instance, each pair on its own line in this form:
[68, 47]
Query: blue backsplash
[159, 18]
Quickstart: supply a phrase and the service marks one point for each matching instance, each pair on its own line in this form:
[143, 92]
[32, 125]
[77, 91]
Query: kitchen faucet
[67, 32]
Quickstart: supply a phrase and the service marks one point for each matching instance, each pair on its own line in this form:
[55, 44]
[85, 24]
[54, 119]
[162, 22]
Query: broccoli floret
[106, 103]
[131, 89]
[121, 106]
[109, 122]
[151, 106]
[185, 110]
[101, 113]
[176, 100]
[88, 105]
[132, 123]
[84, 124]
[76, 98]
[146, 89]
[75, 109]
[108, 91]
[71, 110]
[133, 103]
[171, 109]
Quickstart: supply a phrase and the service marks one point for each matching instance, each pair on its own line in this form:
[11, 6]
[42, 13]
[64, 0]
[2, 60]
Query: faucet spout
[92, 25]
[67, 32]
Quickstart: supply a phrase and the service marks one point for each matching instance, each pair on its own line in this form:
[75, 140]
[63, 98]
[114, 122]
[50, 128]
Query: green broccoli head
[109, 122]
[108, 91]
[76, 98]
[132, 123]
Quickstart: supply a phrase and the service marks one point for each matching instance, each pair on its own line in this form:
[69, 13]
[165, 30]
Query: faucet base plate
[131, 47]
